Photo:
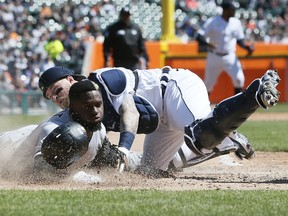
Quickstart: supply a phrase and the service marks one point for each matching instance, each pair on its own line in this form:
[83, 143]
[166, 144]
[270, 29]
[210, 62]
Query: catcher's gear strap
[136, 75]
[149, 117]
[164, 79]
[182, 156]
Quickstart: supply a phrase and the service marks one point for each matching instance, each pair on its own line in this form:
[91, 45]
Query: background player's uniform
[185, 100]
[224, 36]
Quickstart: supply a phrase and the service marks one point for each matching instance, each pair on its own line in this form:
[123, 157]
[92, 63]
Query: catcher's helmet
[54, 74]
[229, 4]
[125, 11]
[65, 145]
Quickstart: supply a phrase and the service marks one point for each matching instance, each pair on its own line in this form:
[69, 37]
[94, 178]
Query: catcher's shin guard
[232, 112]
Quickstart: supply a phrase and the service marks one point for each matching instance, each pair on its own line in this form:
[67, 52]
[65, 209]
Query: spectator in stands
[5, 85]
[26, 26]
[54, 47]
[124, 40]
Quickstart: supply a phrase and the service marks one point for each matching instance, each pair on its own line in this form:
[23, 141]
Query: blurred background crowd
[35, 35]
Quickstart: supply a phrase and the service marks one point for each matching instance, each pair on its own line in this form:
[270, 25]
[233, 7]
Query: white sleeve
[240, 33]
[97, 139]
[204, 30]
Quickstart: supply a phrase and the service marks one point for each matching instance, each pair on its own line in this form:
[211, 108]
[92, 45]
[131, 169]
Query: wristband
[124, 150]
[126, 139]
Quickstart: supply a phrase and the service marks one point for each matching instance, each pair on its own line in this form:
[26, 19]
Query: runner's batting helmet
[65, 145]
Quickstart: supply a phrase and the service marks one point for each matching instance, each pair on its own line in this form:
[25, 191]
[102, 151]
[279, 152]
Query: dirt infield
[264, 172]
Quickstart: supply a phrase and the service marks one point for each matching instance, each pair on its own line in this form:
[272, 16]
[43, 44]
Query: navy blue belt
[218, 53]
[135, 72]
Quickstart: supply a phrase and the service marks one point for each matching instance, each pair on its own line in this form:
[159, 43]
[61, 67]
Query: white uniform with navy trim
[224, 36]
[185, 100]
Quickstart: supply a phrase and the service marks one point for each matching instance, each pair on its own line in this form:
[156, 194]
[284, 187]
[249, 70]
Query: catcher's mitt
[109, 156]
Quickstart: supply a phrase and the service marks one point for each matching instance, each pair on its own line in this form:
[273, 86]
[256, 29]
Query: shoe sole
[270, 95]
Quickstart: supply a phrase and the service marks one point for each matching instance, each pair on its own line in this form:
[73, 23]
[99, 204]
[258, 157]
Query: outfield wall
[180, 55]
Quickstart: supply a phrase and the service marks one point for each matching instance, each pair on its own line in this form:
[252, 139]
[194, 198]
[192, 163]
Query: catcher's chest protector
[113, 83]
[149, 117]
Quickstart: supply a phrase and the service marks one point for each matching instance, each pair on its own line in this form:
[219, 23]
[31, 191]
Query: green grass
[267, 135]
[10, 122]
[143, 202]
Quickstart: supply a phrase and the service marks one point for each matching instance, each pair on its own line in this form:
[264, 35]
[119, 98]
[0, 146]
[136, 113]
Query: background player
[221, 33]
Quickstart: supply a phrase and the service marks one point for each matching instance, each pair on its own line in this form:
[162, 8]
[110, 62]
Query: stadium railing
[24, 102]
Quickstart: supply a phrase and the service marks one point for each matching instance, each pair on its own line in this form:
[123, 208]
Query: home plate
[83, 177]
[228, 160]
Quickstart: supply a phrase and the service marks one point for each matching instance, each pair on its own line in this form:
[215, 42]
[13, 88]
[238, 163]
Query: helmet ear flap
[65, 145]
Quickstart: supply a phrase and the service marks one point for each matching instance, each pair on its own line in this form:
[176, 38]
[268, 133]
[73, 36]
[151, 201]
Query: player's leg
[186, 158]
[185, 100]
[213, 69]
[234, 69]
[235, 142]
[232, 112]
[160, 147]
